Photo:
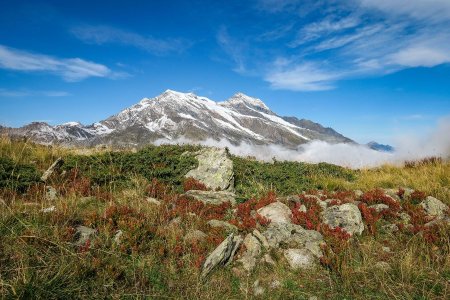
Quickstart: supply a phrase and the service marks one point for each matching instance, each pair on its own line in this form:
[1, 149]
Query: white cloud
[435, 143]
[72, 69]
[430, 10]
[105, 34]
[27, 93]
[302, 77]
[420, 56]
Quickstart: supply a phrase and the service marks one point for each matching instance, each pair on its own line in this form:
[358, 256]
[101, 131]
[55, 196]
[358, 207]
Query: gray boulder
[346, 216]
[434, 207]
[215, 169]
[50, 193]
[212, 197]
[276, 212]
[379, 207]
[222, 255]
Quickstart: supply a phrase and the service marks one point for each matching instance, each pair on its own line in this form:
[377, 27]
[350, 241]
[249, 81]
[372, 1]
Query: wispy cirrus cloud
[341, 41]
[235, 49]
[110, 35]
[70, 69]
[28, 93]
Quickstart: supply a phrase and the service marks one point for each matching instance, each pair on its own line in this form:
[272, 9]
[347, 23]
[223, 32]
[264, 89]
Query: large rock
[346, 216]
[434, 207]
[300, 258]
[293, 236]
[276, 212]
[215, 169]
[222, 255]
[212, 197]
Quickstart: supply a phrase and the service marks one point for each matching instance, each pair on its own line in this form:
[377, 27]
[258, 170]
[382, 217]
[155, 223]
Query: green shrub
[17, 177]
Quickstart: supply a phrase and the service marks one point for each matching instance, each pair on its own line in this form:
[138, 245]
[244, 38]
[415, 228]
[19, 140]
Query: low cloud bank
[436, 143]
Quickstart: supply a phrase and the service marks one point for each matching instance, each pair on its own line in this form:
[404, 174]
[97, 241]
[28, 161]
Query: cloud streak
[70, 69]
[101, 35]
[355, 39]
[26, 93]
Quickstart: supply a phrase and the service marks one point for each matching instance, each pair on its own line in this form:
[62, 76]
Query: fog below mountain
[435, 143]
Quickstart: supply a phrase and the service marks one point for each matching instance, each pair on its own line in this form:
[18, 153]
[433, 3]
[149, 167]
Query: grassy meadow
[107, 190]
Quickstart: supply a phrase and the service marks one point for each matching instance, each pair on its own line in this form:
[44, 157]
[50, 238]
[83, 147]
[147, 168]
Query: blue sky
[371, 69]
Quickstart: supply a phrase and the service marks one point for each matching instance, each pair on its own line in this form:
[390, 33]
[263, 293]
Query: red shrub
[417, 197]
[157, 189]
[191, 183]
[245, 219]
[378, 196]
[370, 216]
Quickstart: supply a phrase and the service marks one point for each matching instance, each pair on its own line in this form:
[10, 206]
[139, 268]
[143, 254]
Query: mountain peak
[240, 99]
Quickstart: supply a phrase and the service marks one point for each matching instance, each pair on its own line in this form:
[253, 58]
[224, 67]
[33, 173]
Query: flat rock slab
[215, 169]
[347, 216]
[212, 197]
[222, 255]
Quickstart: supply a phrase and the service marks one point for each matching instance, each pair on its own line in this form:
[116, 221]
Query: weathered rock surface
[253, 250]
[293, 236]
[346, 216]
[215, 169]
[222, 224]
[434, 207]
[212, 197]
[276, 212]
[299, 258]
[222, 255]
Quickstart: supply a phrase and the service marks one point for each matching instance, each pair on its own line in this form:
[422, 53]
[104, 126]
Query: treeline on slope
[169, 164]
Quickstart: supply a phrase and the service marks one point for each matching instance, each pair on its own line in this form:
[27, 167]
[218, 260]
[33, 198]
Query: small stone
[276, 212]
[386, 249]
[118, 237]
[83, 234]
[58, 162]
[268, 259]
[153, 201]
[434, 207]
[302, 208]
[358, 193]
[51, 194]
[379, 207]
[313, 298]
[390, 228]
[257, 289]
[299, 258]
[276, 284]
[49, 209]
[194, 236]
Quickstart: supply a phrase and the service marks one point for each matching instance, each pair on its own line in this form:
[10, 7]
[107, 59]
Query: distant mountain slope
[174, 115]
[380, 147]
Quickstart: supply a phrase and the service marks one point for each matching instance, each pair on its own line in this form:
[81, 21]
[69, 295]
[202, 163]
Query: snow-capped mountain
[173, 115]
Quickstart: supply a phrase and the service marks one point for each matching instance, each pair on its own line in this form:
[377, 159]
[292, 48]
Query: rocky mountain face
[174, 115]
